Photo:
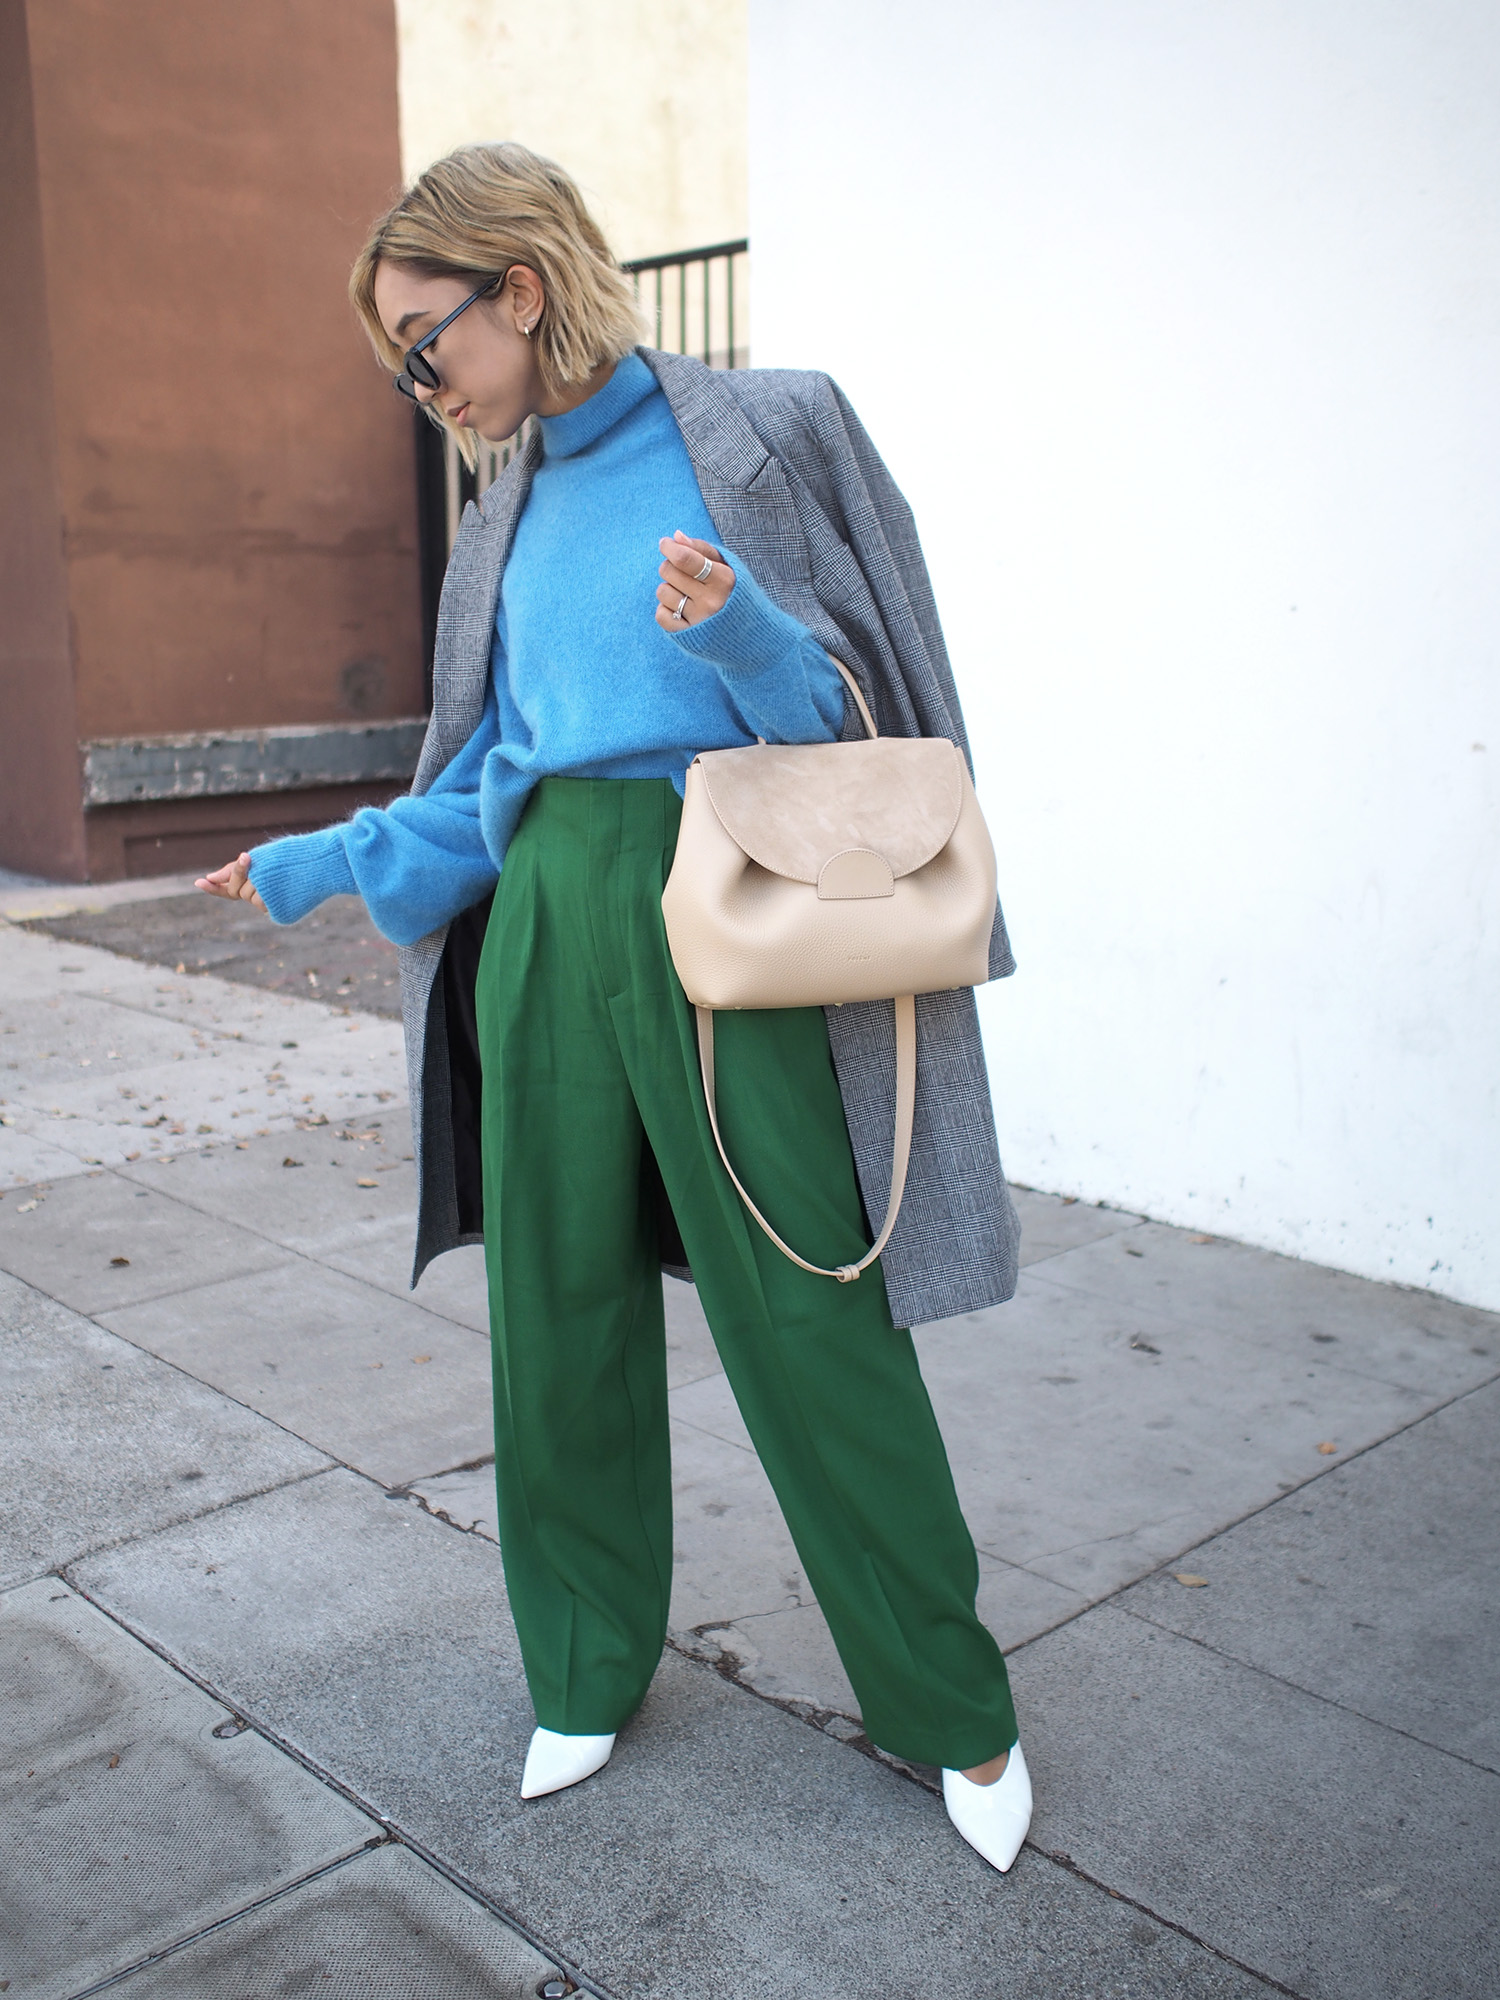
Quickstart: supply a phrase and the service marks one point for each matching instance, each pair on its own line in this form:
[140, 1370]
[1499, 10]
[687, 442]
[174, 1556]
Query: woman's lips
[457, 416]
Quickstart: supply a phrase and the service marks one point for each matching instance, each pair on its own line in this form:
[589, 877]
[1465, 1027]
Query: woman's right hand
[232, 881]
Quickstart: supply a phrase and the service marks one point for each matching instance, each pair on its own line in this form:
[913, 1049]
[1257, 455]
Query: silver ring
[702, 575]
[677, 614]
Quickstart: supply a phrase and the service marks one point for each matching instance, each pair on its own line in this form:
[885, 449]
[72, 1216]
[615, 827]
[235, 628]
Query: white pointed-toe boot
[554, 1762]
[992, 1818]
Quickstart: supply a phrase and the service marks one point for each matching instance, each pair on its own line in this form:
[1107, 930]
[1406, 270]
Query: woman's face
[491, 382]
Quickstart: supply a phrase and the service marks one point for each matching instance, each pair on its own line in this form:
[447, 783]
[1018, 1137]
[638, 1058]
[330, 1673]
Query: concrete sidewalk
[263, 1714]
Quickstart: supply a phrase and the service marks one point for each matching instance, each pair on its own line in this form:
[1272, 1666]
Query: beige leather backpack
[811, 874]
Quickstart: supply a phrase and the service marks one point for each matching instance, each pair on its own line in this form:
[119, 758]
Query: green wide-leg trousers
[590, 1055]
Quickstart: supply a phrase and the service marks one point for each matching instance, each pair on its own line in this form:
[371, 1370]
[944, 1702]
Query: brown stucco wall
[233, 473]
[41, 823]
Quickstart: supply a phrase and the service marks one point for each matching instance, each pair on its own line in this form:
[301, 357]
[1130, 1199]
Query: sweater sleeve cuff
[748, 635]
[294, 875]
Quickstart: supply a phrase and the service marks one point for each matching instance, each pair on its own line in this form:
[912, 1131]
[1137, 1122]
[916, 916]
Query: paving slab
[30, 1162]
[691, 1353]
[371, 1379]
[1392, 1333]
[383, 1926]
[728, 1848]
[75, 1028]
[96, 1241]
[230, 1089]
[303, 1189]
[1091, 1440]
[1377, 1587]
[101, 1442]
[128, 1823]
[368, 1232]
[1342, 1858]
[102, 1058]
[1052, 1224]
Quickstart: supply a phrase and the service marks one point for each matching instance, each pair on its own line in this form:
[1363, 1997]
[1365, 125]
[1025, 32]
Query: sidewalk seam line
[1311, 1694]
[345, 1791]
[60, 1568]
[221, 1923]
[1323, 1472]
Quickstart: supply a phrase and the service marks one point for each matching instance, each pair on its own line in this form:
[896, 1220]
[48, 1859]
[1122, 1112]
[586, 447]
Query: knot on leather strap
[847, 1273]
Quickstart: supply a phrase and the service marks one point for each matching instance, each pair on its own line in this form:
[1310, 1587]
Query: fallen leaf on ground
[366, 1181]
[1142, 1345]
[1129, 1252]
[1328, 1449]
[26, 1208]
[119, 1260]
[419, 1358]
[180, 968]
[377, 1364]
[1188, 1580]
[114, 1762]
[290, 1162]
[1200, 1239]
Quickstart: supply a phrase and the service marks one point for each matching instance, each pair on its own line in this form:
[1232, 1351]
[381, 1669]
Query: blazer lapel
[742, 483]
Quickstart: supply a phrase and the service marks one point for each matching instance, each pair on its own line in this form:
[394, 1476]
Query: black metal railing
[693, 301]
[682, 299]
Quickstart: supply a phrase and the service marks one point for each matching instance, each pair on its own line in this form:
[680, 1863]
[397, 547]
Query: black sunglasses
[417, 368]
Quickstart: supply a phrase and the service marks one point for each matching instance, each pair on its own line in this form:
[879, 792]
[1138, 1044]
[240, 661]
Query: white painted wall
[1178, 325]
[644, 106]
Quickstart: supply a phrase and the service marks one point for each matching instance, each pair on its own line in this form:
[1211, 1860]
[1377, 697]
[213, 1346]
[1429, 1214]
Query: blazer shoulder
[784, 399]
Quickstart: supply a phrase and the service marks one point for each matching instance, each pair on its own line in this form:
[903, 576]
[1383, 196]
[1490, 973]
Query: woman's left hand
[686, 596]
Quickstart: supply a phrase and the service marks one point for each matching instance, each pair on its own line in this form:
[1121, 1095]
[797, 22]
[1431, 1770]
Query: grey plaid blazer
[795, 487]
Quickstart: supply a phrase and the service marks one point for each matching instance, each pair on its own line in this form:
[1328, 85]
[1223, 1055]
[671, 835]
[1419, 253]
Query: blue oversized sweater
[583, 682]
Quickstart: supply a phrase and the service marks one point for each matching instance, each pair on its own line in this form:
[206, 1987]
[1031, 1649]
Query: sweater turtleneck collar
[631, 383]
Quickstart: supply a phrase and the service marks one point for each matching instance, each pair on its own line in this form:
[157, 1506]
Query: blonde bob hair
[473, 215]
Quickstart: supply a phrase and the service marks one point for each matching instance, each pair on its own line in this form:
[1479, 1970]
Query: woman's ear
[523, 297]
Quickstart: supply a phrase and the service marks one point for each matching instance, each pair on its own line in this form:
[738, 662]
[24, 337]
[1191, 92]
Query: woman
[556, 1098]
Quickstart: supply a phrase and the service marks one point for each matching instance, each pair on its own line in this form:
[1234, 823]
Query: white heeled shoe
[554, 1762]
[992, 1818]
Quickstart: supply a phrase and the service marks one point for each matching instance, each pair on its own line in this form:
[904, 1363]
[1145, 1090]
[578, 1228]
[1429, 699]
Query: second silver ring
[702, 575]
[678, 612]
